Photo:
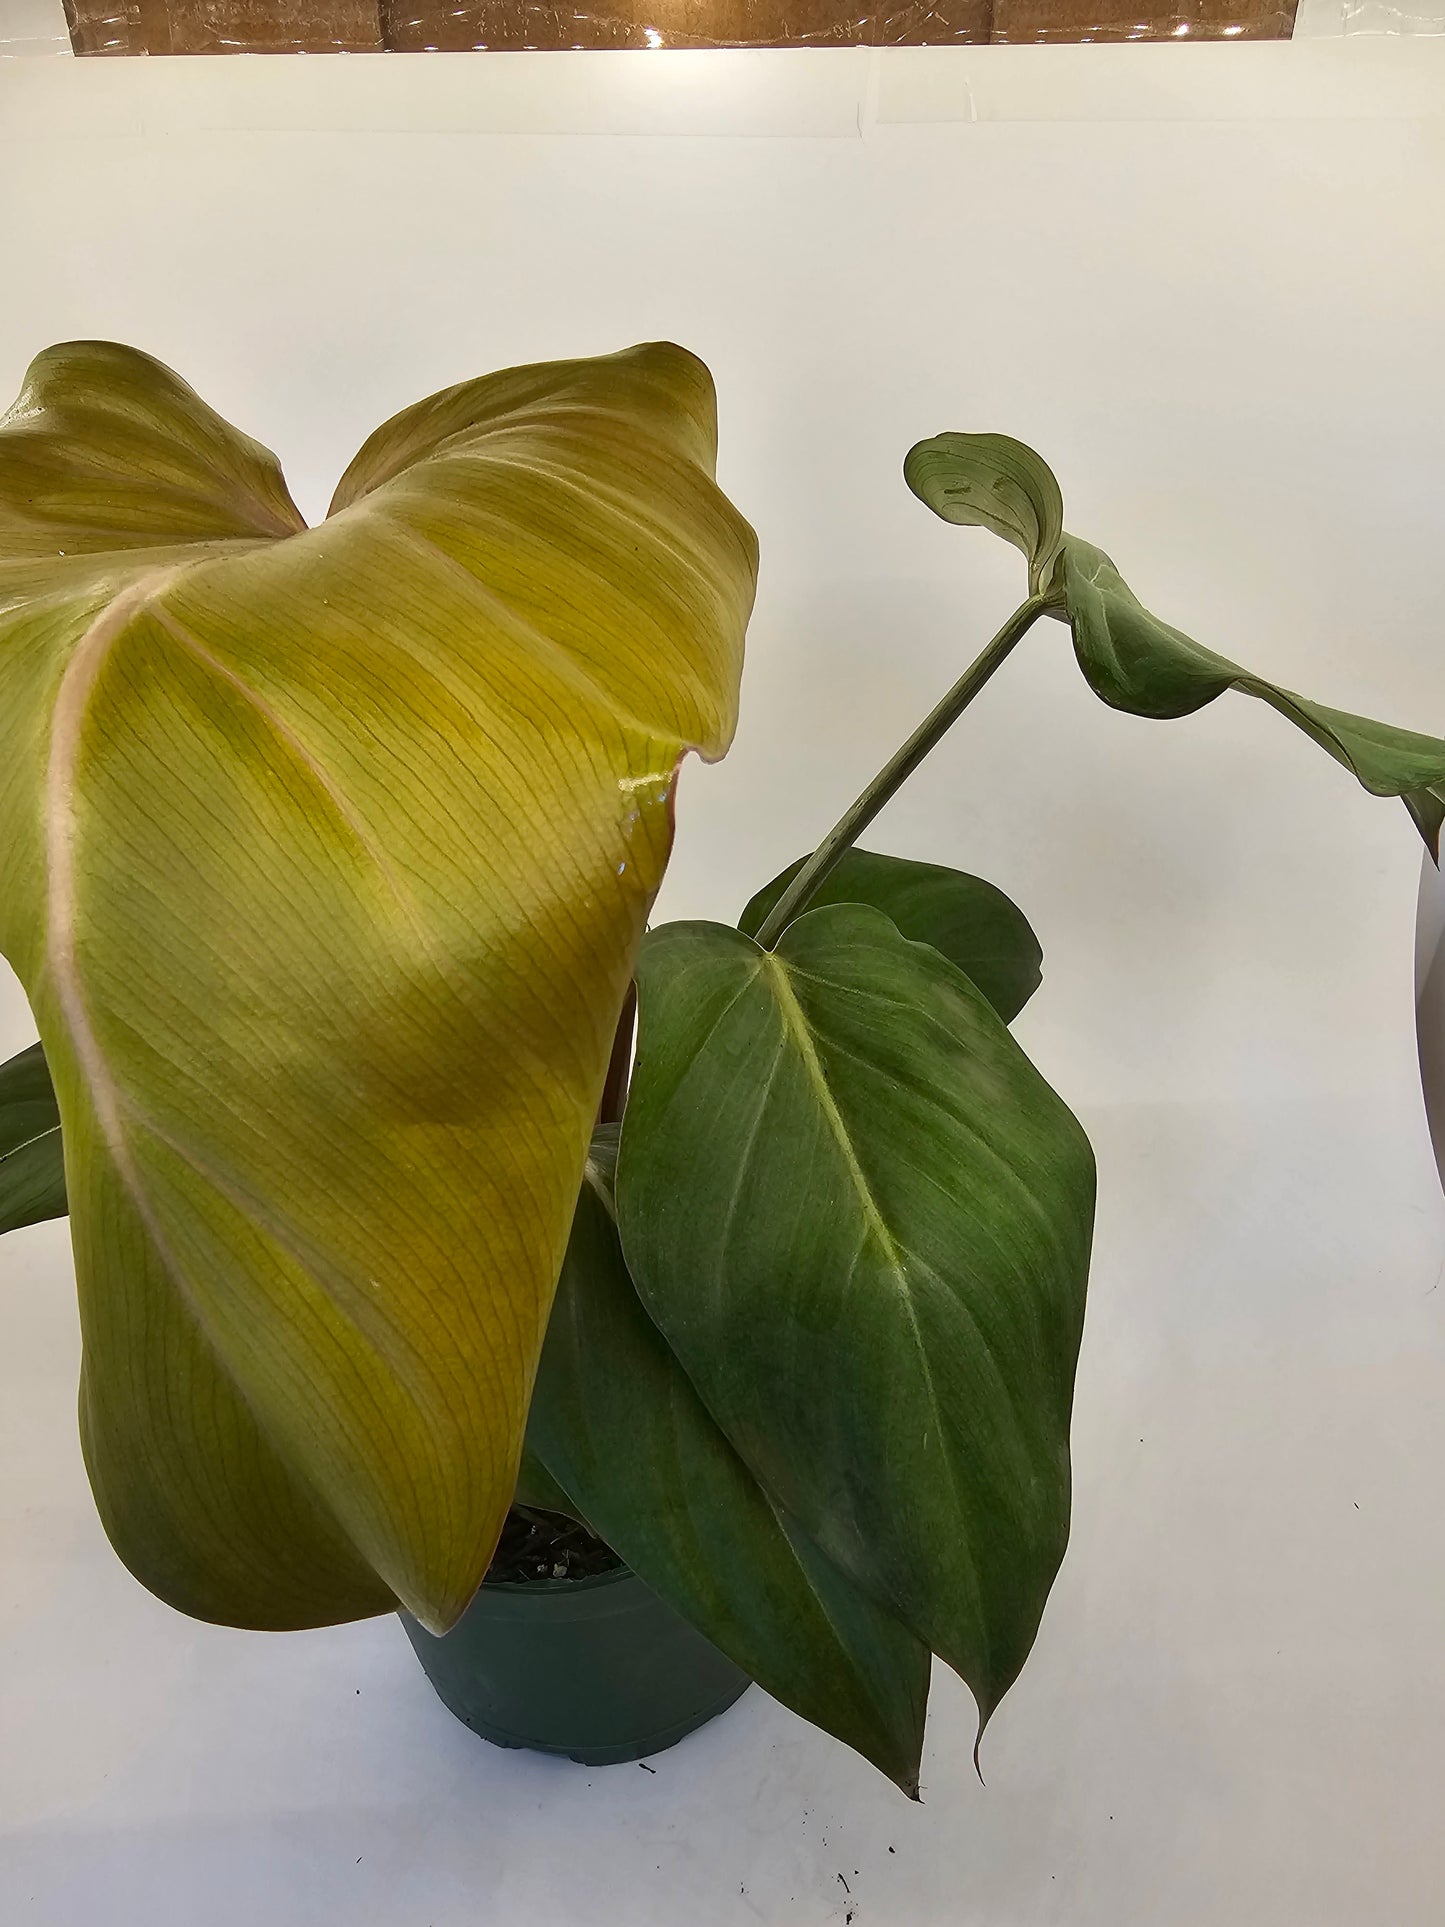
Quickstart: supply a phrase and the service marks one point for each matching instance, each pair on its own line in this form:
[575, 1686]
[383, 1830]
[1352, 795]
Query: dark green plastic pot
[598, 1669]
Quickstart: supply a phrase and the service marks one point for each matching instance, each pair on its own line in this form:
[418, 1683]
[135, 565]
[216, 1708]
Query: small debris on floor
[645, 1767]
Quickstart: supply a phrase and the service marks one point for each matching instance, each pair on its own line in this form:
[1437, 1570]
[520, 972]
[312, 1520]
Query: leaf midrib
[795, 1024]
[51, 1130]
[796, 1028]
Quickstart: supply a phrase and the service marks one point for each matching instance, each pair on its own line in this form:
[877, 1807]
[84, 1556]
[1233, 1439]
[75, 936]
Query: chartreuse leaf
[992, 482]
[862, 1220]
[324, 855]
[1135, 662]
[616, 1423]
[32, 1167]
[974, 925]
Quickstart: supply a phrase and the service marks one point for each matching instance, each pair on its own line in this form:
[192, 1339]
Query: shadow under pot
[595, 1668]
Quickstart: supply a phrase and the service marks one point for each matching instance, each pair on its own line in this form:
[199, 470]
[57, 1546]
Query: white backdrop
[1209, 285]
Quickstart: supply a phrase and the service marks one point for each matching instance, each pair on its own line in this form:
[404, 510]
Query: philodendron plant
[326, 857]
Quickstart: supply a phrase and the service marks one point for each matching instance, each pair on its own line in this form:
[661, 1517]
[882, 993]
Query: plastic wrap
[415, 25]
[118, 27]
[224, 26]
[111, 27]
[32, 27]
[1327, 19]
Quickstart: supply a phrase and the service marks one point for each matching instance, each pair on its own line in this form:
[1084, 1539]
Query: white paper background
[1211, 290]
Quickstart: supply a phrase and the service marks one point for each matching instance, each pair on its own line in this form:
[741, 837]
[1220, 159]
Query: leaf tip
[437, 1600]
[438, 1624]
[1427, 811]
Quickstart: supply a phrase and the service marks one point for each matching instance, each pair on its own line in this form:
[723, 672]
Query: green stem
[856, 818]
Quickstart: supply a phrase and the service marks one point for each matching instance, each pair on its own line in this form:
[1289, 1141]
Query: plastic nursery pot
[598, 1669]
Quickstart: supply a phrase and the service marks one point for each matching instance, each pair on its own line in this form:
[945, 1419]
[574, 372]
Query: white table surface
[1211, 290]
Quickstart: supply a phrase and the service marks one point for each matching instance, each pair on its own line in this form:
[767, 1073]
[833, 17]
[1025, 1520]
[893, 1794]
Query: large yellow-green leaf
[324, 855]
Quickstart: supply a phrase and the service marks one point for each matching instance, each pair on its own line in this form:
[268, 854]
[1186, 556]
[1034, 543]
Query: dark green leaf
[992, 482]
[617, 1424]
[1137, 663]
[537, 1488]
[32, 1167]
[1132, 660]
[862, 1221]
[974, 925]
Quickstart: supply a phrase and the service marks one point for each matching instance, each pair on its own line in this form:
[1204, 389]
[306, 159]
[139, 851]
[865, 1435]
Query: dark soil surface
[547, 1545]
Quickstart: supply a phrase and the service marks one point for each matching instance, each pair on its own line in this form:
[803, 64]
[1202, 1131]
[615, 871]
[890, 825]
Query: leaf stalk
[896, 771]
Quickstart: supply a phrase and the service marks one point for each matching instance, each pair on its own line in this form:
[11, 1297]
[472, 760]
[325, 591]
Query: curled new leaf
[992, 482]
[324, 855]
[861, 1220]
[1131, 659]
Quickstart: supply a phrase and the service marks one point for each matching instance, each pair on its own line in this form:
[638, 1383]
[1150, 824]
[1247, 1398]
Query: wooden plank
[112, 27]
[410, 26]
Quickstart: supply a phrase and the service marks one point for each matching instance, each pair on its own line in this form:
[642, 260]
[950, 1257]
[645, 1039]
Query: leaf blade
[299, 970]
[1134, 662]
[997, 483]
[618, 1425]
[966, 919]
[32, 1163]
[891, 1219]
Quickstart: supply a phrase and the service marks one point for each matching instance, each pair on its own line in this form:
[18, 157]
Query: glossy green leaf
[324, 855]
[1137, 663]
[617, 1424]
[861, 1220]
[992, 482]
[973, 924]
[32, 1163]
[1132, 660]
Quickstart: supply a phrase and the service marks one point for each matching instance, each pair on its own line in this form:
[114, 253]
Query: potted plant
[327, 858]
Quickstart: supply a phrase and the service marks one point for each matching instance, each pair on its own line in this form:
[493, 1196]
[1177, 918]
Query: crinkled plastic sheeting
[224, 26]
[424, 26]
